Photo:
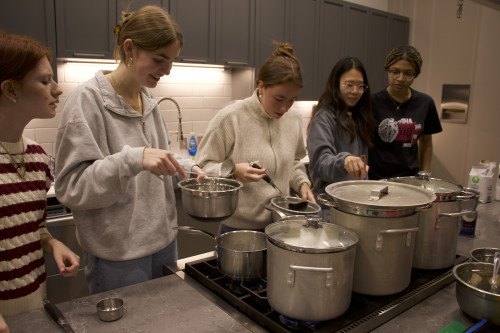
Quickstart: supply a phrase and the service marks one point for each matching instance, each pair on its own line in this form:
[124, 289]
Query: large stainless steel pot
[310, 266]
[474, 294]
[241, 255]
[436, 240]
[211, 200]
[385, 217]
[279, 208]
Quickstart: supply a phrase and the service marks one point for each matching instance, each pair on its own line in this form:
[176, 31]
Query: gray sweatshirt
[121, 211]
[328, 149]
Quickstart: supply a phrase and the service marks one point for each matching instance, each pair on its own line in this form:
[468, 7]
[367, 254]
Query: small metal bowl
[110, 309]
[477, 299]
[484, 254]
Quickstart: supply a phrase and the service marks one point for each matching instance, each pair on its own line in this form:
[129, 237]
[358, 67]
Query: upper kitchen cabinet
[85, 28]
[292, 21]
[331, 40]
[304, 39]
[196, 19]
[235, 32]
[31, 18]
[272, 23]
[217, 32]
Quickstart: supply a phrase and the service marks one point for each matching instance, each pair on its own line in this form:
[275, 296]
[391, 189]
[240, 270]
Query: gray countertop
[166, 304]
[173, 304]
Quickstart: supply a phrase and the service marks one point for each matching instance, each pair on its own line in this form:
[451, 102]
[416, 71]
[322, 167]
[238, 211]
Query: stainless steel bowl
[484, 254]
[110, 309]
[211, 200]
[473, 291]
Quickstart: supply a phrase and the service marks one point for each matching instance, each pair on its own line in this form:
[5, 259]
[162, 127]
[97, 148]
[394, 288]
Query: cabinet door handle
[237, 63]
[89, 55]
[196, 61]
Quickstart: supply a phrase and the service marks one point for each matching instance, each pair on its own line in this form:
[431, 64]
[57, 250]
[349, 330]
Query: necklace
[396, 103]
[115, 85]
[20, 167]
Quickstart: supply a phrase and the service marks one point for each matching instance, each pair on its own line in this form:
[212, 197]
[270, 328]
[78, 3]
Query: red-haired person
[28, 91]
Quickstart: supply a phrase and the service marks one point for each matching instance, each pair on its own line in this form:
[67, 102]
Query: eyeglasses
[395, 73]
[351, 86]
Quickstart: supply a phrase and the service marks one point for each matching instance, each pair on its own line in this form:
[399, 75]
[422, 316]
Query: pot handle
[276, 210]
[380, 237]
[325, 199]
[293, 268]
[462, 213]
[192, 230]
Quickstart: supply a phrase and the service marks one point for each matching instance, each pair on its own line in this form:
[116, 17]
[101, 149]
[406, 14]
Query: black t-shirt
[395, 151]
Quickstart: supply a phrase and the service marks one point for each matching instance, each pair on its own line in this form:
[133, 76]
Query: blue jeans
[103, 275]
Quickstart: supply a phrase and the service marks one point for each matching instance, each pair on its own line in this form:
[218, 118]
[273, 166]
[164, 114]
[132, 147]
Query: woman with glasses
[341, 127]
[405, 120]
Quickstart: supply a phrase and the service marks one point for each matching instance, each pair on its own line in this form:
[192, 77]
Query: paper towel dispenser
[455, 103]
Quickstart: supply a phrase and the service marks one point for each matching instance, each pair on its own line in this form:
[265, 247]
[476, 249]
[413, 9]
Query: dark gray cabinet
[292, 21]
[217, 32]
[198, 29]
[31, 18]
[272, 22]
[304, 39]
[235, 32]
[85, 28]
[324, 31]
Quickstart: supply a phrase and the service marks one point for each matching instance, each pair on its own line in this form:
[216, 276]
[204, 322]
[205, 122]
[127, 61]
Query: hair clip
[116, 30]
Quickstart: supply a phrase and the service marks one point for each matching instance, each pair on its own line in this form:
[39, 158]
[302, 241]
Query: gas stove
[364, 314]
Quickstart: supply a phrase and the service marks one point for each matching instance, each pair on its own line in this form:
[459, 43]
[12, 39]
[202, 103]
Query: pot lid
[438, 186]
[282, 204]
[372, 193]
[307, 234]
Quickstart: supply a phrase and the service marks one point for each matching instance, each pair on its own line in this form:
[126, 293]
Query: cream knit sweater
[245, 132]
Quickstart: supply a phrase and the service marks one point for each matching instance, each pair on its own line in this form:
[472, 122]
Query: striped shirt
[22, 220]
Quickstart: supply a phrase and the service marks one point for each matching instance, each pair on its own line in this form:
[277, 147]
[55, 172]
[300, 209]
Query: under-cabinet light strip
[111, 61]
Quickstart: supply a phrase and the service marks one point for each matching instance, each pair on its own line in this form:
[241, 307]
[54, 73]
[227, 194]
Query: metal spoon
[496, 263]
[301, 205]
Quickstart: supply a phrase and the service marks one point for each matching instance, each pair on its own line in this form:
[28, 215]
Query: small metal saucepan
[280, 208]
[241, 255]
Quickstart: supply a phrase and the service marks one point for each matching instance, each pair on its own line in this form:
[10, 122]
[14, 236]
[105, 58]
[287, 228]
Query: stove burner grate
[364, 314]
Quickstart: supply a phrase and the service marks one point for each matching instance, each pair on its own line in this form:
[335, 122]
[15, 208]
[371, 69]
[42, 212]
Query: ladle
[300, 205]
[496, 263]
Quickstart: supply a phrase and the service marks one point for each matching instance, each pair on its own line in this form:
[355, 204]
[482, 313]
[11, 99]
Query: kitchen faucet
[180, 138]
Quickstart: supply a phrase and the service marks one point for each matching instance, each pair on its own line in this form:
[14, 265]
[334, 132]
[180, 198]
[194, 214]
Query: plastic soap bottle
[192, 146]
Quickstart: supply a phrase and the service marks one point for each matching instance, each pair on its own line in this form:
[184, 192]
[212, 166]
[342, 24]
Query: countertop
[167, 304]
[176, 303]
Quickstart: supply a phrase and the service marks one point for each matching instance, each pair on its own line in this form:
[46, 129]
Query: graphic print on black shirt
[404, 130]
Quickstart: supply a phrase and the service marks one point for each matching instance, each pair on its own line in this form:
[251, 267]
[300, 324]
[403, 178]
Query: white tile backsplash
[200, 93]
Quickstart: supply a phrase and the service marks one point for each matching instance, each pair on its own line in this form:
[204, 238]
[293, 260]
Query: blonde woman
[261, 129]
[113, 159]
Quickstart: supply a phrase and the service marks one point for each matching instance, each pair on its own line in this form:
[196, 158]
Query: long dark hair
[331, 101]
